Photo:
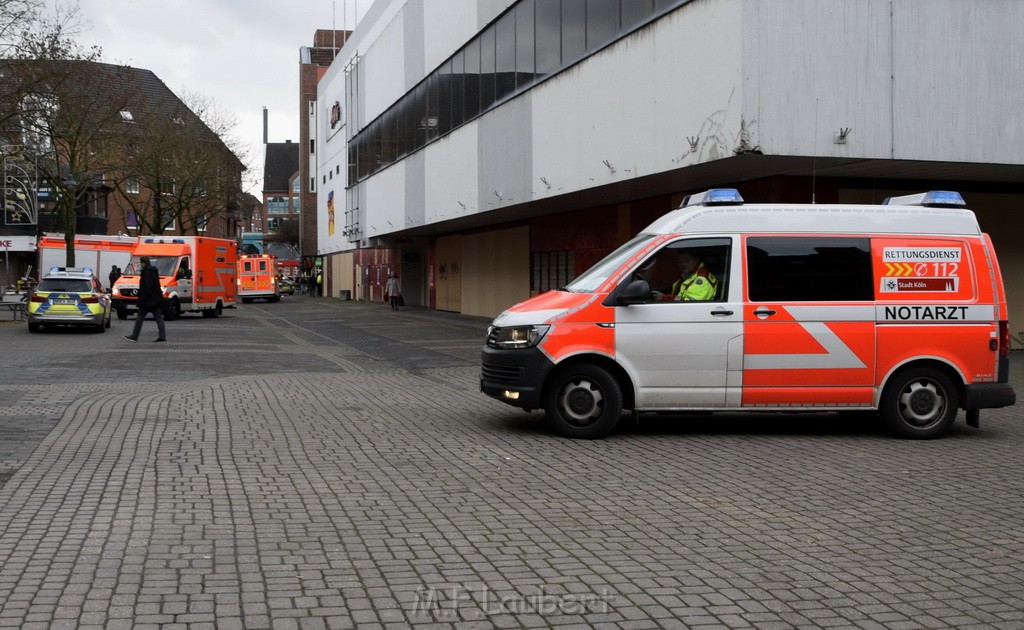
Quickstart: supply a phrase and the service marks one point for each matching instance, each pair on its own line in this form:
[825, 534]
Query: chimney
[264, 124]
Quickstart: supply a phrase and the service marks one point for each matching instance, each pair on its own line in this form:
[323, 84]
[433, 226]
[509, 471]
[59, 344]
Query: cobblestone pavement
[325, 464]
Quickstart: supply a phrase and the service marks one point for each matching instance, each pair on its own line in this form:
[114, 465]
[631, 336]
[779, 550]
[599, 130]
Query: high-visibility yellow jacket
[700, 286]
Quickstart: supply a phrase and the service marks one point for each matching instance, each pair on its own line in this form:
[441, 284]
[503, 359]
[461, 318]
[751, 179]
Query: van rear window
[809, 269]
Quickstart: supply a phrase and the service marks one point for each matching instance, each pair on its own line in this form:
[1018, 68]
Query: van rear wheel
[583, 401]
[920, 403]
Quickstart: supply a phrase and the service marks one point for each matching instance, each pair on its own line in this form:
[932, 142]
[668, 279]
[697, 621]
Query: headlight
[516, 337]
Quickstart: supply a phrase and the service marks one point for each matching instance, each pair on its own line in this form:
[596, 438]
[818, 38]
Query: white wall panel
[452, 176]
[385, 194]
[912, 79]
[504, 140]
[383, 70]
[959, 88]
[636, 103]
[814, 67]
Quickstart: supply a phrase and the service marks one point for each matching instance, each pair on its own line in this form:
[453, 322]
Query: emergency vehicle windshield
[592, 278]
[165, 265]
[65, 285]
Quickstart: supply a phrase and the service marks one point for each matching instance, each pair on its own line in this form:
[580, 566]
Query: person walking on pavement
[115, 273]
[393, 289]
[315, 284]
[151, 299]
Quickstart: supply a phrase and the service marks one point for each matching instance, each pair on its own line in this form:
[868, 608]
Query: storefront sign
[18, 243]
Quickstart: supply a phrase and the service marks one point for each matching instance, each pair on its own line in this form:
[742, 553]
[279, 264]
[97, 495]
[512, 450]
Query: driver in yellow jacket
[696, 282]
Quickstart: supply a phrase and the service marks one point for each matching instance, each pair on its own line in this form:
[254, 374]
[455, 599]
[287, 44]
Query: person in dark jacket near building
[115, 273]
[151, 299]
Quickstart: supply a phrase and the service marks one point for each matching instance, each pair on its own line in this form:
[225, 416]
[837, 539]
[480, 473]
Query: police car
[69, 296]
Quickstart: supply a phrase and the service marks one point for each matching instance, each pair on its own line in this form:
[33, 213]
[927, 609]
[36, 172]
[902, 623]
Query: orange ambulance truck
[197, 274]
[257, 277]
[897, 309]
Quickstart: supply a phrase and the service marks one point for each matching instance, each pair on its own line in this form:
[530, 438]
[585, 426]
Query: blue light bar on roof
[930, 199]
[713, 197]
[68, 270]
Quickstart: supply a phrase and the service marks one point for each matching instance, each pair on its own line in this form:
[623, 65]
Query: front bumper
[515, 377]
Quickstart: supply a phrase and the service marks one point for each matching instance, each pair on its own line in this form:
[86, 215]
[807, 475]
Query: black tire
[173, 310]
[583, 401]
[920, 403]
[122, 313]
[216, 311]
[246, 300]
[33, 327]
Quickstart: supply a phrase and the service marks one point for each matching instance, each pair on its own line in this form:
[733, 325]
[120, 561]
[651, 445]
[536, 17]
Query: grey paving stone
[319, 464]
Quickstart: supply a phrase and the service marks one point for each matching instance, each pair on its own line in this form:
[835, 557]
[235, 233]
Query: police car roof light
[55, 270]
[930, 199]
[713, 197]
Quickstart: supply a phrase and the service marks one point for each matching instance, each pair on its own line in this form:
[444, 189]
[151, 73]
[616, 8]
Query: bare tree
[16, 18]
[51, 109]
[178, 171]
[287, 232]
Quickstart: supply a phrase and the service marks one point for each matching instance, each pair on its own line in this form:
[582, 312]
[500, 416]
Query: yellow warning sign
[898, 269]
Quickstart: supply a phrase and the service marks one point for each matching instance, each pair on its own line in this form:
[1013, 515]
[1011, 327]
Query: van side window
[688, 270]
[809, 269]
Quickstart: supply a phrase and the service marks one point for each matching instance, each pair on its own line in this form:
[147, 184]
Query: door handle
[763, 311]
[721, 311]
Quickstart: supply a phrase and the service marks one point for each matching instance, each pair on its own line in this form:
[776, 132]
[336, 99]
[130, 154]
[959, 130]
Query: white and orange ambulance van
[897, 308]
[197, 275]
[258, 278]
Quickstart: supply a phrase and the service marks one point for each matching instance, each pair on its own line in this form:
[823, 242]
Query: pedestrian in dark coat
[151, 300]
[115, 273]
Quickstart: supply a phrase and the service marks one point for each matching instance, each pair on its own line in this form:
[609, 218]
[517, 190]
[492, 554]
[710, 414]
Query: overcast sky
[243, 54]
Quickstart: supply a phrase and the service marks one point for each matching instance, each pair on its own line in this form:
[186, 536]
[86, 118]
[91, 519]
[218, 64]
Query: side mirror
[636, 292]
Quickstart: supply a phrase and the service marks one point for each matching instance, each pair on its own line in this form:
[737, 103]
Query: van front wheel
[920, 403]
[583, 401]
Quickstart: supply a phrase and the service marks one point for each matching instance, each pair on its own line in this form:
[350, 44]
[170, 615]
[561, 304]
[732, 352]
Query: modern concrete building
[489, 150]
[313, 63]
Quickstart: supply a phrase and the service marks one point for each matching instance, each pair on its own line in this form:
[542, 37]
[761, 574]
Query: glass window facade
[277, 205]
[532, 40]
[551, 270]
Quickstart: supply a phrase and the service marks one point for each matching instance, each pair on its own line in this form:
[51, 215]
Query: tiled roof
[147, 95]
[280, 163]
